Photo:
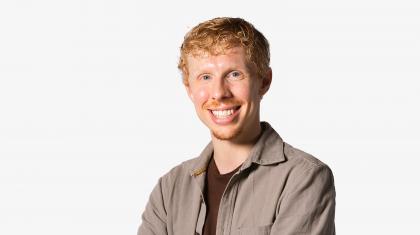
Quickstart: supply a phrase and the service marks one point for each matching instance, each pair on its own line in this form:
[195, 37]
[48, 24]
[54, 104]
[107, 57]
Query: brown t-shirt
[213, 191]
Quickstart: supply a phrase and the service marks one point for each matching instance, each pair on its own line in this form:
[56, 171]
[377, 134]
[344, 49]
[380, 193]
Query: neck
[229, 154]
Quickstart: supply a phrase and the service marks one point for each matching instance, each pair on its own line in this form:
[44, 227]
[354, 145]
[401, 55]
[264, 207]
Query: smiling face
[226, 93]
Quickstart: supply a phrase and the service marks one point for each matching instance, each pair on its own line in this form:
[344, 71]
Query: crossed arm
[308, 209]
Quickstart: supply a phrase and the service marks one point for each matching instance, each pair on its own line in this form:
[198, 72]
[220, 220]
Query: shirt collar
[267, 150]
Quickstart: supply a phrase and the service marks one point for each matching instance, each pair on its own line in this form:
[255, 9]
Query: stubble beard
[226, 136]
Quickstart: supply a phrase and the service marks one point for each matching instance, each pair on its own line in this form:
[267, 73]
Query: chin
[226, 135]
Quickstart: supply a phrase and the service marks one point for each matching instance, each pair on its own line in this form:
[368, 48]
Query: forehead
[233, 57]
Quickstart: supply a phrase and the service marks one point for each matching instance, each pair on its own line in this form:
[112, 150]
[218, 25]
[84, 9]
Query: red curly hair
[222, 33]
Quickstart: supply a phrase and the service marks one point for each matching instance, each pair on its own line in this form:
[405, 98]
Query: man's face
[226, 94]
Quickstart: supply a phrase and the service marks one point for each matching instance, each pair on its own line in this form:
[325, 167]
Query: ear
[266, 82]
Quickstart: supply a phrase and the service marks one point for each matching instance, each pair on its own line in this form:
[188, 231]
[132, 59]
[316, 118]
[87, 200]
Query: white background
[93, 111]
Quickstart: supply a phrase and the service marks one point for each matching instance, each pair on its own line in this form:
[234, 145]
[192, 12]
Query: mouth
[224, 115]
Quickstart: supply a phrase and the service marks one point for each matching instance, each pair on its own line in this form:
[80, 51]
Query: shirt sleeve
[154, 216]
[310, 206]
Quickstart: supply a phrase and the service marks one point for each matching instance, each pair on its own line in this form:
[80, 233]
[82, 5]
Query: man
[247, 180]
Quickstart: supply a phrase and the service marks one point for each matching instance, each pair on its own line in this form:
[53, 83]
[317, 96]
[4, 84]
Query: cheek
[242, 92]
[200, 96]
[253, 92]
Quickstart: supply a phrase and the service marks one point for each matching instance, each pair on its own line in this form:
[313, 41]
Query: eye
[235, 75]
[205, 77]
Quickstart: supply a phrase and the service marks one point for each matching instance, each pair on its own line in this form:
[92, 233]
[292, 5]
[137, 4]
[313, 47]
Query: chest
[248, 205]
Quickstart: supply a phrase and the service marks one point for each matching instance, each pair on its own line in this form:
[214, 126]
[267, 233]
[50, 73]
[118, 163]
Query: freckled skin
[223, 82]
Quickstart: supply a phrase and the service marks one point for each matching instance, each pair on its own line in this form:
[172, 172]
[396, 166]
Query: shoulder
[177, 184]
[299, 158]
[180, 172]
[304, 169]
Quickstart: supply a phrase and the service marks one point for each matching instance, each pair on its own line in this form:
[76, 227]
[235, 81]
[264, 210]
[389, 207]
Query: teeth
[222, 113]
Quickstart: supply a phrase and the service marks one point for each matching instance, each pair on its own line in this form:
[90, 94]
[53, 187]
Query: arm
[310, 206]
[154, 216]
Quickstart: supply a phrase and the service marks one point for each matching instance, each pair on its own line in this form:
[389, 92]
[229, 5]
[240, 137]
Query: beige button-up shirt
[278, 190]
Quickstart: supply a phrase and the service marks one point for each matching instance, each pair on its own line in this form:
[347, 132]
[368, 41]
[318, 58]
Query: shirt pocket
[259, 230]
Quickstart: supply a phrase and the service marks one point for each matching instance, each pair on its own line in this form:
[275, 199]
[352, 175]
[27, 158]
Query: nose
[220, 89]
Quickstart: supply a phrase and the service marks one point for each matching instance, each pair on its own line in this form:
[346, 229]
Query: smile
[224, 116]
[222, 113]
